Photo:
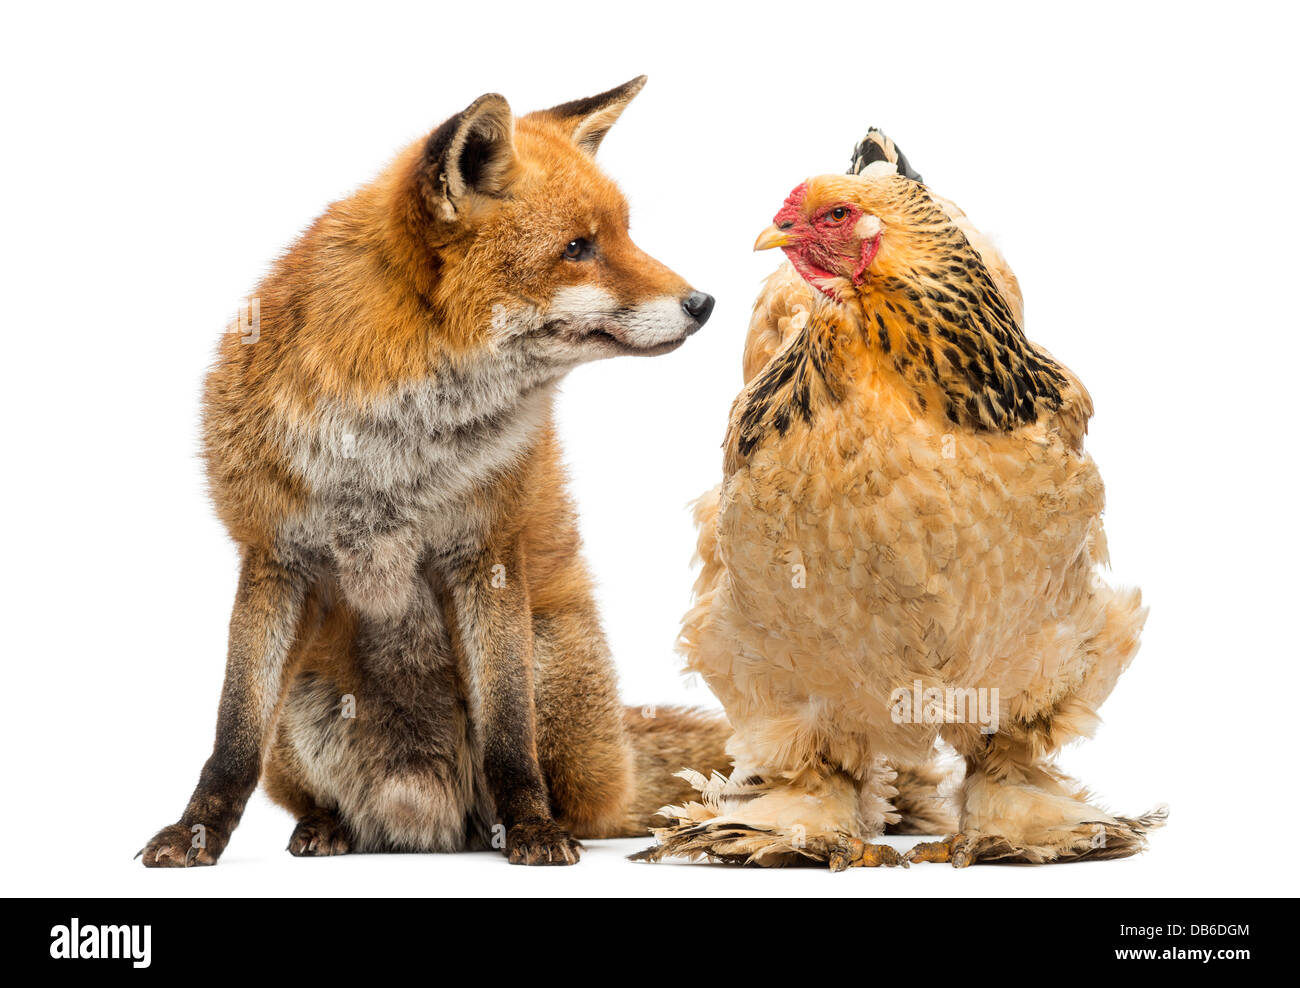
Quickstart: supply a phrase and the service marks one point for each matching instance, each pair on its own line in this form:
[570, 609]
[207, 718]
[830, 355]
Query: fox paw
[318, 835]
[541, 842]
[179, 846]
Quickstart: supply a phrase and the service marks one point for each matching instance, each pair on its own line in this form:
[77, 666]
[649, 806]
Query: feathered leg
[1015, 805]
[779, 821]
[921, 802]
[1033, 814]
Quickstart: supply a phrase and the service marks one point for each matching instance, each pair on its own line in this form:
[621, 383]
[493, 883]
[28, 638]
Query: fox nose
[698, 306]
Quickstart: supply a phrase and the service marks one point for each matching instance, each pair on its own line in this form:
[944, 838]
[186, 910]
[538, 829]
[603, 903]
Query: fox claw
[318, 835]
[172, 847]
[541, 843]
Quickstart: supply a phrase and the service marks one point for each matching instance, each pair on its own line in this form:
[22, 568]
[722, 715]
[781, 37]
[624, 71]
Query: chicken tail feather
[877, 146]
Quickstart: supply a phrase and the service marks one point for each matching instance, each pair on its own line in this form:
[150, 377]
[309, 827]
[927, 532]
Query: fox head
[517, 234]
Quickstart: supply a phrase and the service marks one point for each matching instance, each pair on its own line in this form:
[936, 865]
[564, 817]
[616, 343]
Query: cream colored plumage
[906, 507]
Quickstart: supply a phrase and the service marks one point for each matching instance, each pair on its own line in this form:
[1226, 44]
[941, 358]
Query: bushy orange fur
[415, 660]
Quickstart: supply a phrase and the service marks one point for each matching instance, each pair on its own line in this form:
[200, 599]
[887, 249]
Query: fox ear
[473, 152]
[589, 119]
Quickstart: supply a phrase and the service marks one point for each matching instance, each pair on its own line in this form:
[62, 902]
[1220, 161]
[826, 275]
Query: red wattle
[869, 248]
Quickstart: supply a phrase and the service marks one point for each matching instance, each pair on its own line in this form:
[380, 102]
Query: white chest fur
[394, 479]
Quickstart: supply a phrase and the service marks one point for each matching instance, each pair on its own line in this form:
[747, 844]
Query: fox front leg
[494, 632]
[267, 606]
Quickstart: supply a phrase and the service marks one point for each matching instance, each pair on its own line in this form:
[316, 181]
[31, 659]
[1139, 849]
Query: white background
[1138, 165]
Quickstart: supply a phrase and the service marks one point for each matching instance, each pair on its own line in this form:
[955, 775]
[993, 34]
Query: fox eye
[580, 249]
[838, 214]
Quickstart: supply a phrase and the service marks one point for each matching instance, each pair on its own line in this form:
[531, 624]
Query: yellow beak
[771, 237]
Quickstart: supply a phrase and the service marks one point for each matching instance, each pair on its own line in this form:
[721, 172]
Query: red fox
[415, 660]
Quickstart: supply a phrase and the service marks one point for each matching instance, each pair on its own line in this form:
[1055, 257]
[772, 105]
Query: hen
[904, 548]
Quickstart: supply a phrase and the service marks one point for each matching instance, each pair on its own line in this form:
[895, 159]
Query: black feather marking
[873, 148]
[947, 305]
[783, 391]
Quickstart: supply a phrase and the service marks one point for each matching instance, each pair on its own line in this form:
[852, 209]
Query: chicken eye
[580, 249]
[838, 214]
